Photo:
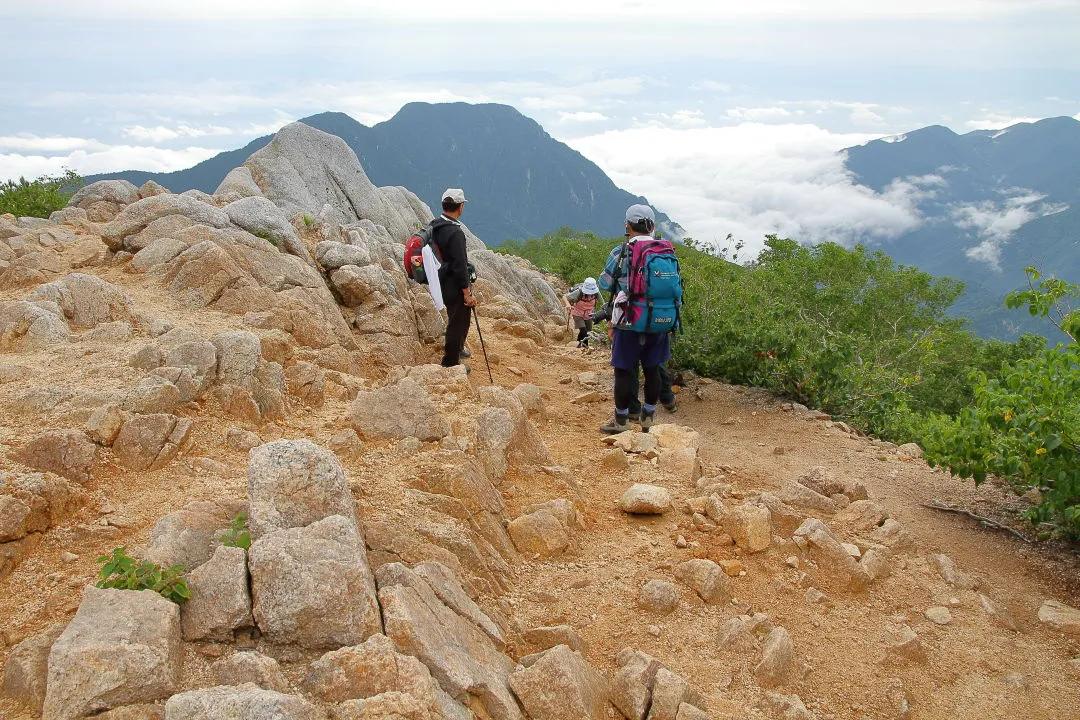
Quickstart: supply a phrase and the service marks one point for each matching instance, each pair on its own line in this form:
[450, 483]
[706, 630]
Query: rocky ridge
[424, 546]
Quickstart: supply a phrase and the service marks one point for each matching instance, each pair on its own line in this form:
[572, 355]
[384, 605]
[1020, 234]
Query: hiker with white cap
[455, 274]
[643, 277]
[581, 301]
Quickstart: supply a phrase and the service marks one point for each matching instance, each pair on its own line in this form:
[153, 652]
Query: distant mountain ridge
[520, 181]
[992, 202]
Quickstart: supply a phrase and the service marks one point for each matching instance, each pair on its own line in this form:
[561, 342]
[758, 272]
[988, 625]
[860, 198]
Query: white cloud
[161, 134]
[582, 117]
[34, 143]
[864, 115]
[758, 114]
[105, 159]
[995, 223]
[997, 121]
[753, 179]
[684, 118]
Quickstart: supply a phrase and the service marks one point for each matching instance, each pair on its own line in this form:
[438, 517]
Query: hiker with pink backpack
[643, 278]
[581, 302]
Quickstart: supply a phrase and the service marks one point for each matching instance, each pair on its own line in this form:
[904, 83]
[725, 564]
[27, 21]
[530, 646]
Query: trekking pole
[482, 346]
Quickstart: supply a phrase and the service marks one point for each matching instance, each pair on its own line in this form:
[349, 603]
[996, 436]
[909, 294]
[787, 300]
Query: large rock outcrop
[303, 169]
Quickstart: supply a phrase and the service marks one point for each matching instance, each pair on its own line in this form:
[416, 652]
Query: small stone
[732, 568]
[641, 499]
[653, 630]
[680, 542]
[815, 596]
[905, 645]
[1060, 616]
[938, 615]
[658, 596]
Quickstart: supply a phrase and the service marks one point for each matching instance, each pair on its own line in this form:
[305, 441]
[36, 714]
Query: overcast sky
[726, 115]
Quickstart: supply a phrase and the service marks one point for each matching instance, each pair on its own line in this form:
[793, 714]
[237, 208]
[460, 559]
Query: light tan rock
[69, 453]
[220, 601]
[905, 646]
[658, 596]
[14, 514]
[669, 692]
[561, 685]
[293, 483]
[369, 669]
[682, 462]
[149, 442]
[705, 578]
[750, 526]
[189, 536]
[105, 423]
[123, 647]
[998, 612]
[247, 701]
[539, 532]
[1060, 616]
[671, 436]
[312, 585]
[459, 655]
[800, 496]
[249, 666]
[777, 666]
[26, 669]
[87, 300]
[631, 691]
[642, 499]
[400, 410]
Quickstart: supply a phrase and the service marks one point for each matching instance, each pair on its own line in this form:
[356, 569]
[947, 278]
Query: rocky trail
[444, 548]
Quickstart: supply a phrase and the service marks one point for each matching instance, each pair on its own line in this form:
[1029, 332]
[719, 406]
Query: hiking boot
[634, 417]
[464, 353]
[671, 406]
[615, 426]
[646, 421]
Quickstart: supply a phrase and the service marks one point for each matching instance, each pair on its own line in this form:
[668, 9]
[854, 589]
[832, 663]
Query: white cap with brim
[589, 287]
[454, 194]
[637, 213]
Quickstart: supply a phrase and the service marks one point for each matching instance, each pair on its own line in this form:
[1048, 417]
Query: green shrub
[1024, 425]
[237, 535]
[121, 572]
[41, 197]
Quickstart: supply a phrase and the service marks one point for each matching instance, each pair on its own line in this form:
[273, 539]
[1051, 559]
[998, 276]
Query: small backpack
[414, 249]
[654, 287]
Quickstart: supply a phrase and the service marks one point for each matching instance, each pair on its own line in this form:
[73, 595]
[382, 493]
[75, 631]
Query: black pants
[666, 393]
[626, 388]
[458, 316]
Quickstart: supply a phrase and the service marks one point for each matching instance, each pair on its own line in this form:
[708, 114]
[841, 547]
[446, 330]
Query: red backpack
[414, 249]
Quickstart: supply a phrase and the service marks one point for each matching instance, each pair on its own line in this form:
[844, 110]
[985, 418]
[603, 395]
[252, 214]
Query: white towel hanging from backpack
[431, 269]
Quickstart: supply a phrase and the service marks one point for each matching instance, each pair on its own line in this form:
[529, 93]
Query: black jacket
[449, 238]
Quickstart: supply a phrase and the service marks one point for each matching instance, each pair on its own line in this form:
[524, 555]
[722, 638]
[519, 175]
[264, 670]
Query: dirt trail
[974, 667]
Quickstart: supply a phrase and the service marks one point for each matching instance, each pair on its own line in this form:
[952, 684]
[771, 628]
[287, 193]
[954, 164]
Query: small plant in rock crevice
[122, 572]
[238, 534]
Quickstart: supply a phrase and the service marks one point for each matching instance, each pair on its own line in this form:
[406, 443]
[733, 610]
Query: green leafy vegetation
[850, 332]
[41, 197]
[238, 534]
[122, 572]
[1024, 424]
